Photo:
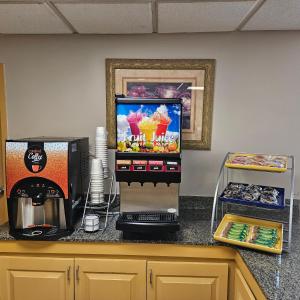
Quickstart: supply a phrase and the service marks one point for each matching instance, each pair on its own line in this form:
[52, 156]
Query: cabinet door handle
[77, 274]
[150, 277]
[69, 274]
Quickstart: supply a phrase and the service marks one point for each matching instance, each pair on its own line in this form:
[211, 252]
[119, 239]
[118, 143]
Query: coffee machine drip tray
[41, 232]
[148, 222]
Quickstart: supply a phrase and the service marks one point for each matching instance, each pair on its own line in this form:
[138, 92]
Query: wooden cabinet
[110, 279]
[113, 275]
[187, 280]
[3, 129]
[242, 290]
[34, 278]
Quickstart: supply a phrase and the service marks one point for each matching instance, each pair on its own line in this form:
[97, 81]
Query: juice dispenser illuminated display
[148, 163]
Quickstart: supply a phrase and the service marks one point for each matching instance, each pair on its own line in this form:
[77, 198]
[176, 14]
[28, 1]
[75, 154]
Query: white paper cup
[91, 223]
[97, 201]
[102, 152]
[96, 181]
[97, 193]
[96, 166]
[91, 219]
[101, 132]
[100, 144]
[97, 172]
[103, 158]
[97, 184]
[101, 155]
[97, 177]
[97, 190]
[100, 141]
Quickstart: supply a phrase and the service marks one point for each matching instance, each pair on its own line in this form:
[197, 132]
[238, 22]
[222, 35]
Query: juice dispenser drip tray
[148, 222]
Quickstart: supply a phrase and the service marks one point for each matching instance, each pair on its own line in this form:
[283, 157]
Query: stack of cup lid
[91, 223]
[101, 148]
[97, 182]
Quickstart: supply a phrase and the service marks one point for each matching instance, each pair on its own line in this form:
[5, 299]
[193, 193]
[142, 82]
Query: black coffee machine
[47, 179]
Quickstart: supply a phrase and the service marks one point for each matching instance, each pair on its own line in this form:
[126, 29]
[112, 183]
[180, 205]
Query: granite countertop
[277, 275]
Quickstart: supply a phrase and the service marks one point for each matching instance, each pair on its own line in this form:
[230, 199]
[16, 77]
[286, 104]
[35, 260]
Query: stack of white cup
[101, 148]
[97, 182]
[91, 223]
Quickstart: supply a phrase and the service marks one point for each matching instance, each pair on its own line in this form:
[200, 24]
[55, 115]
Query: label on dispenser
[123, 162]
[156, 168]
[123, 167]
[139, 162]
[139, 165]
[139, 168]
[172, 166]
[172, 163]
[156, 165]
[156, 162]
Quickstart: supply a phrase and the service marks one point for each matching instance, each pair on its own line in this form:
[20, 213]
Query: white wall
[56, 86]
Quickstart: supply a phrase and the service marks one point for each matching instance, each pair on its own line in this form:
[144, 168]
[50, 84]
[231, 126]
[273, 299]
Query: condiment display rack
[220, 208]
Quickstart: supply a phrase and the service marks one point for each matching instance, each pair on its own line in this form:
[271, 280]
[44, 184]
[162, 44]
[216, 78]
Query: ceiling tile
[108, 18]
[276, 15]
[30, 19]
[201, 16]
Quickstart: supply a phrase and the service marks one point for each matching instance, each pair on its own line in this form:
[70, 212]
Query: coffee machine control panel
[38, 191]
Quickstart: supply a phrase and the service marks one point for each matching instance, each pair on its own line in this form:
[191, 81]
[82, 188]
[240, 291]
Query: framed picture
[192, 80]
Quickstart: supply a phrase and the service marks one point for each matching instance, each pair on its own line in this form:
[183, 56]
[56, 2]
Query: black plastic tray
[147, 222]
[280, 205]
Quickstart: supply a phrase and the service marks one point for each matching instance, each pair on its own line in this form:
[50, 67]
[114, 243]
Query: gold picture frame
[191, 79]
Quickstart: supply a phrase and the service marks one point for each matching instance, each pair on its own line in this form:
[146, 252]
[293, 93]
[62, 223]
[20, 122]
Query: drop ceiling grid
[201, 16]
[145, 16]
[108, 18]
[30, 18]
[276, 15]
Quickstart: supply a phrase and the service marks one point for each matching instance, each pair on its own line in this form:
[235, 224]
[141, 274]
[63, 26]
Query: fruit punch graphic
[149, 127]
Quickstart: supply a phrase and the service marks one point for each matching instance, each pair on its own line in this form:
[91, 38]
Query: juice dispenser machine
[148, 163]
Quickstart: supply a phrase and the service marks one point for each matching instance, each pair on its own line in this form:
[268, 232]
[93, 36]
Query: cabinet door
[242, 290]
[110, 279]
[3, 210]
[187, 281]
[34, 278]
